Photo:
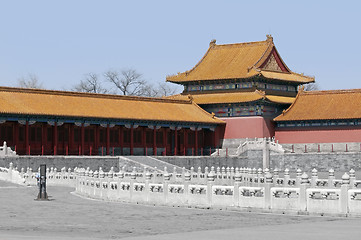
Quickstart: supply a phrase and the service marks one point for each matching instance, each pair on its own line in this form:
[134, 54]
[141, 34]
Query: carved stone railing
[215, 187]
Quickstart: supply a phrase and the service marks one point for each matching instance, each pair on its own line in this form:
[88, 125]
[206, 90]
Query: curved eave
[289, 77]
[280, 100]
[58, 116]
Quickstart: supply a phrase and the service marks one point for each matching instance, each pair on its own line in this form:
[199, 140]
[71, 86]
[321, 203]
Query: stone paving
[68, 216]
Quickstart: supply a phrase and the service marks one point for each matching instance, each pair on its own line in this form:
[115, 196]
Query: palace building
[43, 122]
[245, 84]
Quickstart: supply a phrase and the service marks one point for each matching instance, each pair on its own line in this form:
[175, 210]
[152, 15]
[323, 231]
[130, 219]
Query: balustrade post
[314, 177]
[267, 189]
[166, 178]
[344, 193]
[352, 178]
[174, 175]
[206, 172]
[133, 177]
[187, 179]
[259, 176]
[237, 184]
[102, 180]
[120, 176]
[89, 189]
[95, 175]
[275, 175]
[298, 177]
[286, 178]
[331, 178]
[303, 196]
[109, 179]
[148, 177]
[210, 183]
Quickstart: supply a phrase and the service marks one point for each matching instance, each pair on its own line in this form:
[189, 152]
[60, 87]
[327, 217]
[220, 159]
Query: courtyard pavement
[68, 216]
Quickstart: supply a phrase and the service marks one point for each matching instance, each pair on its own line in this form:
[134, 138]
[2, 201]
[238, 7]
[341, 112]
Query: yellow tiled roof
[233, 97]
[88, 105]
[236, 61]
[324, 105]
[280, 99]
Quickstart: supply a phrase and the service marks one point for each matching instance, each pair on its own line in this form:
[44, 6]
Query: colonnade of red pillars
[61, 139]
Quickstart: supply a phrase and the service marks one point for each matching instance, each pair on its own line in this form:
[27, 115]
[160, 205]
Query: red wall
[318, 135]
[248, 127]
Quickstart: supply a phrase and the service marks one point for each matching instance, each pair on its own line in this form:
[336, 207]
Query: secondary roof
[233, 97]
[324, 105]
[21, 101]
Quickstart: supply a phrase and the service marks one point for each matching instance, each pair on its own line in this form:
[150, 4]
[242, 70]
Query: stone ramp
[154, 163]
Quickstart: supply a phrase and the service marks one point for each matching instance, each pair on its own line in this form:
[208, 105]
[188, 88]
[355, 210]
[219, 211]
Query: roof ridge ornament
[190, 97]
[269, 38]
[212, 43]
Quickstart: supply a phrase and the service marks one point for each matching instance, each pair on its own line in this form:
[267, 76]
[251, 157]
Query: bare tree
[91, 84]
[128, 82]
[165, 89]
[125, 82]
[311, 87]
[30, 81]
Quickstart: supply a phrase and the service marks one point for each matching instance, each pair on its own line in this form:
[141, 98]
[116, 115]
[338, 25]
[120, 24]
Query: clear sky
[60, 41]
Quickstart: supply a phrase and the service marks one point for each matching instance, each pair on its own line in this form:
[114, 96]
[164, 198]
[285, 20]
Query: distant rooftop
[324, 105]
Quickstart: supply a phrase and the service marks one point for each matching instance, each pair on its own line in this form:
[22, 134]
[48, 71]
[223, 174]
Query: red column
[144, 136]
[196, 141]
[55, 138]
[97, 144]
[70, 137]
[165, 140]
[155, 141]
[43, 137]
[131, 140]
[16, 134]
[175, 141]
[108, 139]
[82, 134]
[27, 138]
[121, 139]
[185, 142]
[214, 138]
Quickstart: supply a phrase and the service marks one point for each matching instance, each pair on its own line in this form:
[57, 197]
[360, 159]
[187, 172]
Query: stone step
[154, 163]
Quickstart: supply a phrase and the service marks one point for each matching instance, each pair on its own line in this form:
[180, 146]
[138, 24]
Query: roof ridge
[241, 44]
[213, 45]
[270, 46]
[339, 91]
[199, 62]
[90, 95]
